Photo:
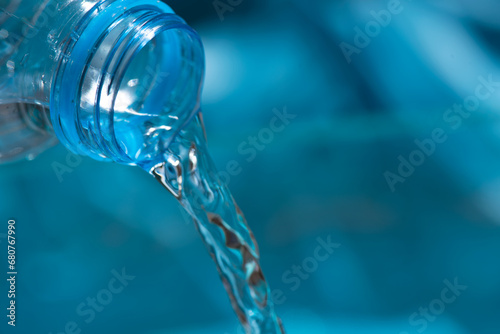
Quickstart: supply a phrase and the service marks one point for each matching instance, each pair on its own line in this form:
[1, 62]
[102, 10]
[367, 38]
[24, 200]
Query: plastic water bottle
[110, 79]
[120, 80]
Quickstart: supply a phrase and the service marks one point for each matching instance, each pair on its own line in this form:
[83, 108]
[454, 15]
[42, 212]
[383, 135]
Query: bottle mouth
[128, 82]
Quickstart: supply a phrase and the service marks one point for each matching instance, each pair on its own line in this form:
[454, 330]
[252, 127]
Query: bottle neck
[126, 82]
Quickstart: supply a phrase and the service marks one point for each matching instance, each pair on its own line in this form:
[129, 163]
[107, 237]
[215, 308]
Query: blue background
[321, 177]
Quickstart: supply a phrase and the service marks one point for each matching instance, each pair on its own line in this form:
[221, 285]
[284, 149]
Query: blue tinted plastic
[120, 77]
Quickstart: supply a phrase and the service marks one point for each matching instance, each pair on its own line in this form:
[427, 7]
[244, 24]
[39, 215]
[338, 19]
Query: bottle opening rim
[85, 50]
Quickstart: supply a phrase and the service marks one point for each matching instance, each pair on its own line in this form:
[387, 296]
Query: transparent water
[117, 90]
[189, 174]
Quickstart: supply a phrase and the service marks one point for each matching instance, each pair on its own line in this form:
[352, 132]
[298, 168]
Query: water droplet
[4, 34]
[133, 82]
[11, 66]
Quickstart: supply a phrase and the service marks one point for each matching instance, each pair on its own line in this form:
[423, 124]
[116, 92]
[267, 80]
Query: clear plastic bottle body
[111, 79]
[30, 32]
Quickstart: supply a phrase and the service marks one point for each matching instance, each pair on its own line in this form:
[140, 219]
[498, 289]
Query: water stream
[190, 175]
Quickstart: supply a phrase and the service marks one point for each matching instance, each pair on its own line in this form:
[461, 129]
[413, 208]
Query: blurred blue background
[406, 237]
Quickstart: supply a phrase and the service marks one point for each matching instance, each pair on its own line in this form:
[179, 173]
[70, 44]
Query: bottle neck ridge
[113, 69]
